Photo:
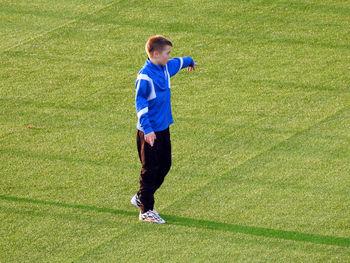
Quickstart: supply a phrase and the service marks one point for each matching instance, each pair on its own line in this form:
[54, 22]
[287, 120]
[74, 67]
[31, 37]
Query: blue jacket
[152, 98]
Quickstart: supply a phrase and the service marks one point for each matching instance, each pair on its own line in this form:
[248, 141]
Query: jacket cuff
[192, 62]
[148, 130]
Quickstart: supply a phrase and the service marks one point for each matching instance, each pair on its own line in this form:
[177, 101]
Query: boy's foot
[136, 201]
[151, 216]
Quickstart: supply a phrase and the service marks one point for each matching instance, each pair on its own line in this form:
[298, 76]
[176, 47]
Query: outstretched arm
[176, 64]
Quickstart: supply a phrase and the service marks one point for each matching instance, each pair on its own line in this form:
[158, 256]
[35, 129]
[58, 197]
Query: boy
[153, 108]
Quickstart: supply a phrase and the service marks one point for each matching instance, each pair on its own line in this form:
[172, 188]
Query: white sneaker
[136, 201]
[151, 216]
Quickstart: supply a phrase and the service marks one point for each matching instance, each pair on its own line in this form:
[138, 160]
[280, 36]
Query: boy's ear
[155, 53]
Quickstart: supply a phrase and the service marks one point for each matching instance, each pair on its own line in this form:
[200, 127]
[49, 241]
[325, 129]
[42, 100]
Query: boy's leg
[150, 165]
[164, 156]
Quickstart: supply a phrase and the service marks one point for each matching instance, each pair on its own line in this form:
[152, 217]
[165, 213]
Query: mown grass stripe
[205, 224]
[258, 155]
[259, 231]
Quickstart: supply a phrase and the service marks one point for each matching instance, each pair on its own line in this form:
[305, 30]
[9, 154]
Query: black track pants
[156, 162]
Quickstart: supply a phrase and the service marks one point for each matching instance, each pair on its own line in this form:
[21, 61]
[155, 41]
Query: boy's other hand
[192, 68]
[150, 138]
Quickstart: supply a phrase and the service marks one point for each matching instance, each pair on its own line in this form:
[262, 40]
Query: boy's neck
[154, 61]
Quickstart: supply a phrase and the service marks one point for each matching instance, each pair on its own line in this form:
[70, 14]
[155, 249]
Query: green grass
[261, 158]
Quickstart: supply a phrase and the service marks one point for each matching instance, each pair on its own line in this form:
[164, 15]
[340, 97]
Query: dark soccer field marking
[205, 224]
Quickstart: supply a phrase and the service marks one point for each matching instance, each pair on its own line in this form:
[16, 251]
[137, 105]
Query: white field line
[24, 41]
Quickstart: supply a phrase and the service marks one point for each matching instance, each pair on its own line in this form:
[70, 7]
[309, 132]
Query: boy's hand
[150, 138]
[192, 68]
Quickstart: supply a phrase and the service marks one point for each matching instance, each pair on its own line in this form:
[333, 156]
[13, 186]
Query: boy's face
[162, 57]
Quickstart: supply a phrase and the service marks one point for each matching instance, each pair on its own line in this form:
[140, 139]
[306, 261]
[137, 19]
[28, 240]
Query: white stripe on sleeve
[181, 63]
[152, 94]
[141, 112]
[167, 72]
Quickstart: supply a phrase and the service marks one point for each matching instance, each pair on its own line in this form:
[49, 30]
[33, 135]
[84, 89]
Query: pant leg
[165, 157]
[149, 162]
[156, 162]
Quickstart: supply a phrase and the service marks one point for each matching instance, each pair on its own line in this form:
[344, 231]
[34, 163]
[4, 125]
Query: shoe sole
[134, 203]
[152, 221]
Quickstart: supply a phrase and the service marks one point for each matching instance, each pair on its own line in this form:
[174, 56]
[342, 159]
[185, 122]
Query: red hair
[158, 43]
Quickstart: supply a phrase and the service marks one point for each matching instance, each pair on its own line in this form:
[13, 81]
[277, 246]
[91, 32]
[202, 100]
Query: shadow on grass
[205, 224]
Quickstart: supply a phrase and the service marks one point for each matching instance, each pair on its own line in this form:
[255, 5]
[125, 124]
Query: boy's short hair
[158, 43]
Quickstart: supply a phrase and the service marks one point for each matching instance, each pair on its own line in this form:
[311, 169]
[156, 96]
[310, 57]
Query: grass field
[261, 140]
